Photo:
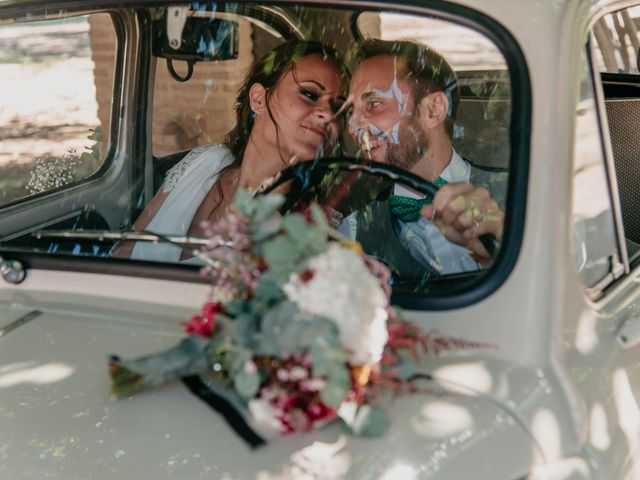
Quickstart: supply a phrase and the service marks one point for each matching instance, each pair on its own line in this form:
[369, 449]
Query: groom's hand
[463, 213]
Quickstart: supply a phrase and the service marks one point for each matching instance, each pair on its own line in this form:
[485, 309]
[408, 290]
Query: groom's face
[383, 118]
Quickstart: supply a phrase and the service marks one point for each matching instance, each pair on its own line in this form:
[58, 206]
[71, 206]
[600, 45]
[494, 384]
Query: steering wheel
[306, 183]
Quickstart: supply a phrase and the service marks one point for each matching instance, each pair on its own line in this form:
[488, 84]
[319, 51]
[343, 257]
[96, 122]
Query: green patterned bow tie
[407, 209]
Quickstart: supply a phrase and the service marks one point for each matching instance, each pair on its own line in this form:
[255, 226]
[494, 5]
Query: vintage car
[102, 98]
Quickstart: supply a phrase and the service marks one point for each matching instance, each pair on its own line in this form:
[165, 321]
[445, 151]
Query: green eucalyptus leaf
[261, 231]
[275, 321]
[320, 364]
[268, 290]
[301, 334]
[266, 206]
[309, 239]
[223, 337]
[333, 395]
[281, 253]
[237, 307]
[296, 226]
[247, 384]
[244, 202]
[337, 388]
[237, 359]
[320, 219]
[406, 369]
[368, 421]
[246, 329]
[326, 355]
[267, 345]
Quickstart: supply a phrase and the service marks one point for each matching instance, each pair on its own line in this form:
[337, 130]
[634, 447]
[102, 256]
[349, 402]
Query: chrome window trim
[603, 124]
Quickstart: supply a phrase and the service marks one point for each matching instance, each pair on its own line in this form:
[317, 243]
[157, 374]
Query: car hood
[58, 418]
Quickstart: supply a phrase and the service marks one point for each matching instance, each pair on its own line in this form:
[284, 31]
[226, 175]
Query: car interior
[189, 102]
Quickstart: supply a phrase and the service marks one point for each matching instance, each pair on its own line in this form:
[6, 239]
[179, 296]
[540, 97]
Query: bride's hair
[267, 71]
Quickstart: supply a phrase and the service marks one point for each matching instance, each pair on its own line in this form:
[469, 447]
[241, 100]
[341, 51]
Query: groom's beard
[410, 148]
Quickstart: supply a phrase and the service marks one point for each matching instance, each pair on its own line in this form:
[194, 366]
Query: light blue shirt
[422, 238]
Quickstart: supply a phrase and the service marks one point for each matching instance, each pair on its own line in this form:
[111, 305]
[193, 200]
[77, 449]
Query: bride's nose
[323, 112]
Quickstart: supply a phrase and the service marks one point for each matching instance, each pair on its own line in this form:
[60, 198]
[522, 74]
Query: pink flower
[204, 324]
[380, 271]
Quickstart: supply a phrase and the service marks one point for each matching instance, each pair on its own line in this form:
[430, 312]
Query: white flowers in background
[342, 289]
[53, 172]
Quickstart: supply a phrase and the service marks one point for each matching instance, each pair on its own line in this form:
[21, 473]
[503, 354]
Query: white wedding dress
[187, 184]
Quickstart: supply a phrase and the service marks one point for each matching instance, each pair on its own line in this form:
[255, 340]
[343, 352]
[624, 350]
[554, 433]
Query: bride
[284, 113]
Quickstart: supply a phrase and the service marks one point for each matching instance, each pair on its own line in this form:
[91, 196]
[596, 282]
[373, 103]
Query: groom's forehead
[379, 73]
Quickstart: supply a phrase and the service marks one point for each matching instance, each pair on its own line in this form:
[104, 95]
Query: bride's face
[302, 105]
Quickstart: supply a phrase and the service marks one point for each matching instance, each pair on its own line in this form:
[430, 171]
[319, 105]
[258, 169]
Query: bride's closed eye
[310, 94]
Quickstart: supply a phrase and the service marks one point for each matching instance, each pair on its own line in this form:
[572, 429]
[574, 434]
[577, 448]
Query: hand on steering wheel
[308, 183]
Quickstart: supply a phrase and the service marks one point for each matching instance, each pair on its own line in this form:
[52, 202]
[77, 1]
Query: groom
[404, 98]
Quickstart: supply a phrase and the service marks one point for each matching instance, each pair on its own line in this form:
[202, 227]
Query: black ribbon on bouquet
[225, 408]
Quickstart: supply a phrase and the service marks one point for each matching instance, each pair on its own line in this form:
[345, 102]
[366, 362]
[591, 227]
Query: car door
[601, 337]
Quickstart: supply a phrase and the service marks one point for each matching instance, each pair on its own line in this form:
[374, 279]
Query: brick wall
[103, 51]
[200, 110]
[184, 114]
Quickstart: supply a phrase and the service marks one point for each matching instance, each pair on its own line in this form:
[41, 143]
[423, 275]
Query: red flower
[306, 275]
[204, 324]
[300, 413]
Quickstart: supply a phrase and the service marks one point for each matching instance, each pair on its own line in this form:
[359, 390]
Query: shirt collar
[457, 171]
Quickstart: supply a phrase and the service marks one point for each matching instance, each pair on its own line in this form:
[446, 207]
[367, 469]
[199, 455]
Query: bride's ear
[258, 98]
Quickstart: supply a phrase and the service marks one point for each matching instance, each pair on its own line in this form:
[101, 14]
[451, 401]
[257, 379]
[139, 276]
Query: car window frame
[621, 271]
[517, 194]
[110, 156]
[609, 293]
[620, 265]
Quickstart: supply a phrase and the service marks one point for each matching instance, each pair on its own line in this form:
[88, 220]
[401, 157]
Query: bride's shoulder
[210, 157]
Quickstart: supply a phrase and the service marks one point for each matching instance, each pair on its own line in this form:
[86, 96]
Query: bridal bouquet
[298, 330]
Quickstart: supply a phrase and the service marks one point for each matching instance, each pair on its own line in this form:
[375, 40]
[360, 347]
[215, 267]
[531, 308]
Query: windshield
[229, 95]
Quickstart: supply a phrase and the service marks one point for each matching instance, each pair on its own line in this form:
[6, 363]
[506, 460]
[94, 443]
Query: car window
[443, 111]
[55, 122]
[595, 245]
[615, 48]
[616, 41]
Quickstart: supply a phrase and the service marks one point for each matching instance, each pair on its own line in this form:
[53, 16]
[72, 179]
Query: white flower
[265, 418]
[52, 172]
[343, 290]
[298, 373]
[313, 384]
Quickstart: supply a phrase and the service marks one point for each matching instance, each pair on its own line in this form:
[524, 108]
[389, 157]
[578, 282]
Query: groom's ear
[434, 109]
[258, 98]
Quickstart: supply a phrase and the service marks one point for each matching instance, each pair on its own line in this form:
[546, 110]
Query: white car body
[557, 398]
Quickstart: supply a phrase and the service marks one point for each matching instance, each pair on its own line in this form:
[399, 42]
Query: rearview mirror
[204, 39]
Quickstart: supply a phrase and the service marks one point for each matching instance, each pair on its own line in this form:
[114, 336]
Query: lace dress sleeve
[176, 172]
